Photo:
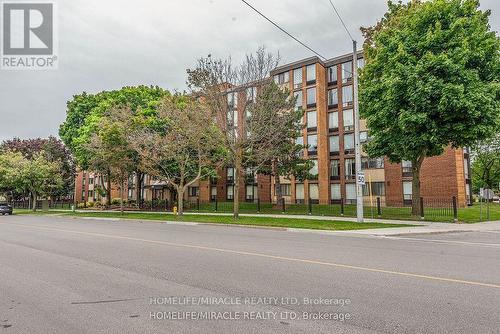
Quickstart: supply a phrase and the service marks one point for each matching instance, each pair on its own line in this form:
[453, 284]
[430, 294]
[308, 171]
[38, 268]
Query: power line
[341, 20]
[283, 30]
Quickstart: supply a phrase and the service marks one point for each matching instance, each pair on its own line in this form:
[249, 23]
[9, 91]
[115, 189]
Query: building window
[311, 97]
[91, 180]
[300, 141]
[333, 121]
[348, 116]
[297, 78]
[286, 189]
[378, 189]
[335, 192]
[350, 193]
[372, 163]
[312, 121]
[298, 101]
[282, 78]
[314, 170]
[333, 98]
[406, 167]
[91, 194]
[311, 74]
[347, 96]
[346, 72]
[335, 170]
[299, 193]
[312, 143]
[232, 118]
[350, 169]
[332, 75]
[361, 63]
[213, 193]
[230, 174]
[83, 195]
[251, 93]
[314, 193]
[407, 192]
[194, 191]
[363, 137]
[349, 143]
[466, 168]
[251, 192]
[334, 145]
[230, 193]
[232, 100]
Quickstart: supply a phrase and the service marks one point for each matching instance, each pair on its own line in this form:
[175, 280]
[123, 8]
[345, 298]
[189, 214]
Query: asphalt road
[64, 275]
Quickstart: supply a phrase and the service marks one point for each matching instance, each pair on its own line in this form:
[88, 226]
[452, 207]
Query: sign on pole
[361, 178]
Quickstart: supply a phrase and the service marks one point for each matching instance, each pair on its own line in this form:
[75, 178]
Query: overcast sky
[108, 44]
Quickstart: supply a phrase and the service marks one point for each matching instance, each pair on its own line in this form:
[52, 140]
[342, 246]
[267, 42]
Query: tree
[273, 125]
[430, 81]
[181, 144]
[223, 87]
[486, 164]
[85, 111]
[54, 151]
[10, 167]
[110, 149]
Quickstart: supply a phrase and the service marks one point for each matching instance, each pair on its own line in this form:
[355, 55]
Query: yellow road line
[268, 256]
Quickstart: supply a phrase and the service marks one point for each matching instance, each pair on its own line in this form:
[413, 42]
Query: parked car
[5, 209]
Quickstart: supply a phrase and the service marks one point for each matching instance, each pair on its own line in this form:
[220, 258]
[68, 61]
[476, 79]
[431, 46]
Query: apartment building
[324, 90]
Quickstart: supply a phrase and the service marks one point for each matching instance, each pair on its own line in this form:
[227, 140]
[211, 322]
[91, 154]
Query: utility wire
[284, 31]
[341, 20]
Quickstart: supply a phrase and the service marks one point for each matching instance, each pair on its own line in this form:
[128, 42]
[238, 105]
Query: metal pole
[359, 187]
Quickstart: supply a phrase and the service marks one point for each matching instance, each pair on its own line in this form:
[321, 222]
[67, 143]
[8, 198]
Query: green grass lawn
[252, 221]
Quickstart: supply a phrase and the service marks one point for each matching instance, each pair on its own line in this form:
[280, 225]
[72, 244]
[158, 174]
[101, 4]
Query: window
[282, 78]
[298, 101]
[333, 98]
[372, 163]
[232, 118]
[349, 143]
[230, 193]
[348, 116]
[332, 74]
[363, 137]
[84, 179]
[466, 168]
[299, 141]
[311, 74]
[230, 174]
[286, 189]
[312, 121]
[213, 193]
[406, 167]
[312, 143]
[347, 96]
[91, 194]
[350, 169]
[333, 121]
[361, 63]
[251, 192]
[350, 193]
[83, 195]
[194, 191]
[314, 192]
[311, 97]
[91, 180]
[297, 78]
[334, 145]
[407, 191]
[346, 72]
[251, 93]
[378, 189]
[335, 170]
[314, 170]
[335, 193]
[299, 192]
[232, 100]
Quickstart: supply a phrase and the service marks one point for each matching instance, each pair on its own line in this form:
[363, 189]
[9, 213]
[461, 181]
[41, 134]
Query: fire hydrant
[175, 210]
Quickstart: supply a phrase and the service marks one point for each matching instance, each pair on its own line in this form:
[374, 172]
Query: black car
[5, 209]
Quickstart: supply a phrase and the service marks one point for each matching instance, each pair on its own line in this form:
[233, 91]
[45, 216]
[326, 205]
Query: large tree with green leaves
[486, 164]
[85, 112]
[431, 81]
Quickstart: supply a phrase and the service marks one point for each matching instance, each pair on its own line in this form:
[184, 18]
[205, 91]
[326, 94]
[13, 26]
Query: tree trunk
[277, 184]
[121, 196]
[108, 191]
[180, 200]
[33, 202]
[138, 192]
[415, 186]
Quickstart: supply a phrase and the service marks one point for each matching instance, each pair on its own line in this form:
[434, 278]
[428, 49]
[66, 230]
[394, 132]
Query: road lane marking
[445, 241]
[268, 256]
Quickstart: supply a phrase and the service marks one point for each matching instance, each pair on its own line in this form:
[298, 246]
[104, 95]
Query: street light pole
[359, 186]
